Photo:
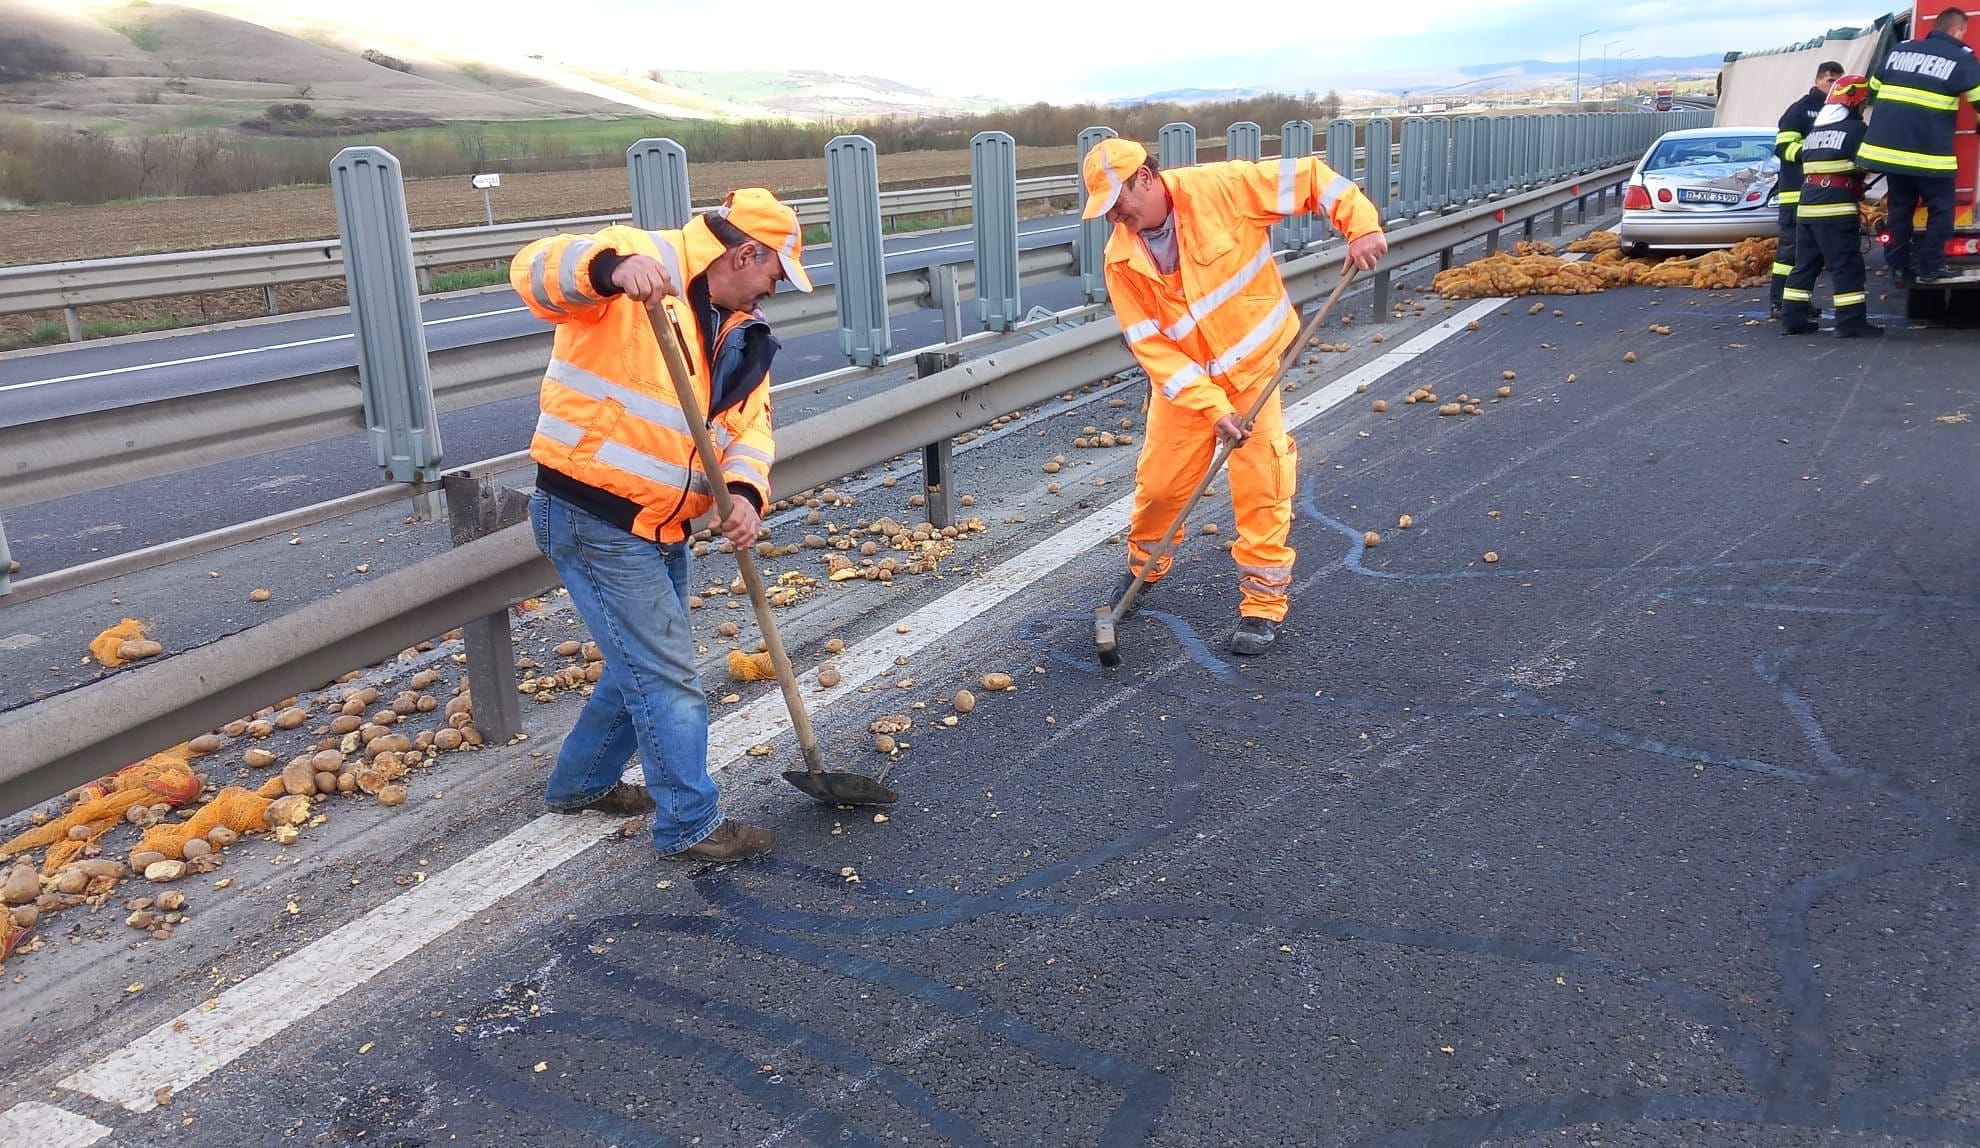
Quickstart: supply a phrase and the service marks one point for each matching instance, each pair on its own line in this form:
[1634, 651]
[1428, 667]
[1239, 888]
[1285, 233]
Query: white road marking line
[237, 353]
[46, 1126]
[191, 1046]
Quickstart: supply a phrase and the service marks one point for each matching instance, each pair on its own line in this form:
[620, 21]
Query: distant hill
[135, 67]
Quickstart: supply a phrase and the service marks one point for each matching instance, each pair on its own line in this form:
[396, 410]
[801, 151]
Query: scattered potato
[993, 682]
[828, 675]
[1491, 556]
[884, 743]
[1380, 405]
[1370, 538]
[1050, 468]
[1629, 356]
[1471, 326]
[1405, 522]
[1508, 375]
[1209, 528]
[965, 701]
[1449, 409]
[1505, 392]
[259, 595]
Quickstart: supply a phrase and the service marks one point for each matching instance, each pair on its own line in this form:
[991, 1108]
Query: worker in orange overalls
[618, 479]
[1190, 273]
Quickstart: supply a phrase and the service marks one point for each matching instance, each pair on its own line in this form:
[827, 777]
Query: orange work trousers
[1176, 450]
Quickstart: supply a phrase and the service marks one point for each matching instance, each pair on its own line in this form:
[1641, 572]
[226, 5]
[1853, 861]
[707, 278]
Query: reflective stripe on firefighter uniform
[610, 421]
[1828, 232]
[1209, 336]
[1790, 131]
[1917, 91]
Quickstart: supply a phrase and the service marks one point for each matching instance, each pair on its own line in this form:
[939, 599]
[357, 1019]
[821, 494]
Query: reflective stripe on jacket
[609, 418]
[1916, 94]
[1220, 329]
[1832, 186]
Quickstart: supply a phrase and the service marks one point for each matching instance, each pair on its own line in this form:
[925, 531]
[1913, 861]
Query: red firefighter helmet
[1850, 91]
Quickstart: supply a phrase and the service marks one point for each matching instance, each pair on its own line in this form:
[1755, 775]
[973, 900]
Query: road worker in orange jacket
[1200, 302]
[618, 480]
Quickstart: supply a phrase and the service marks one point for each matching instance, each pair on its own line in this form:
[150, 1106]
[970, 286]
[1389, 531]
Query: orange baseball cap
[757, 213]
[1109, 164]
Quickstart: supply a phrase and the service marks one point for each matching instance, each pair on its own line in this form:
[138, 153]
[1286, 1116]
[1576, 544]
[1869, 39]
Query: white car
[1697, 189]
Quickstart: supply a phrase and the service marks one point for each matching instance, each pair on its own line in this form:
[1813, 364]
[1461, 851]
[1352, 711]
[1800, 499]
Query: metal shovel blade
[835, 788]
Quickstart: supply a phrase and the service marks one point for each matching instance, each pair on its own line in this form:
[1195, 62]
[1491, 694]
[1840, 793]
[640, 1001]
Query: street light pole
[1602, 92]
[1577, 61]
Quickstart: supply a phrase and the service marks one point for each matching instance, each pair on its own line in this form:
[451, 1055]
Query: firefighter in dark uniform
[1790, 131]
[1917, 92]
[1827, 231]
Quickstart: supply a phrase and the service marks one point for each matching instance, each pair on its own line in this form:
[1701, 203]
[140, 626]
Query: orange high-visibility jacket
[1217, 329]
[611, 429]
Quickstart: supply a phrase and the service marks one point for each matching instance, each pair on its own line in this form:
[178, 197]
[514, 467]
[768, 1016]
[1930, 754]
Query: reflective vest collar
[1201, 238]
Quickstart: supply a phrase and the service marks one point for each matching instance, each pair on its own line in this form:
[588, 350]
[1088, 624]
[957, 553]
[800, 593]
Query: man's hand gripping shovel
[834, 787]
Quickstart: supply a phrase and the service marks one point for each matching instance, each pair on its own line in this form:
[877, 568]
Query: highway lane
[95, 377]
[66, 532]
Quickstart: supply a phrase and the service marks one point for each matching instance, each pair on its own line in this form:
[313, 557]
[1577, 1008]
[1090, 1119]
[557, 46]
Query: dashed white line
[46, 1126]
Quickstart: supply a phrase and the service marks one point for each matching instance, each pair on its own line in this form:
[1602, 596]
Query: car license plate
[1698, 195]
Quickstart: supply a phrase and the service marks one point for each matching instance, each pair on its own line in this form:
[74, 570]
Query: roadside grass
[43, 334]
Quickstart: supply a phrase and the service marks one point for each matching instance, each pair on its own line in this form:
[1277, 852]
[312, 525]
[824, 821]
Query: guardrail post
[73, 322]
[6, 564]
[1093, 233]
[1175, 145]
[948, 299]
[852, 185]
[268, 297]
[1415, 167]
[403, 425]
[477, 506]
[993, 200]
[1438, 156]
[1557, 221]
[656, 168]
[1464, 141]
[1501, 148]
[1340, 147]
[1296, 141]
[1244, 140]
[938, 459]
[1375, 166]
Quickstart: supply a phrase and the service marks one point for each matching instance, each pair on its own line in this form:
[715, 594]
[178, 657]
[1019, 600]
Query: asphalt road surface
[1658, 826]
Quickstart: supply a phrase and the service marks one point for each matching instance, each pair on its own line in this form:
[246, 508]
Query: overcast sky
[1048, 49]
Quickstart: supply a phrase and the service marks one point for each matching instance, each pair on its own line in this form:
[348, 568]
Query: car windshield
[1700, 151]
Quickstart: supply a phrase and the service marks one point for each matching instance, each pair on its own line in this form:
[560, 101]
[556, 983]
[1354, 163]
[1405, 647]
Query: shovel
[834, 787]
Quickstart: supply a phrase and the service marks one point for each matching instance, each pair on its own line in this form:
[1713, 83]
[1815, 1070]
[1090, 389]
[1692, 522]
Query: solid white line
[46, 1126]
[189, 1047]
[238, 352]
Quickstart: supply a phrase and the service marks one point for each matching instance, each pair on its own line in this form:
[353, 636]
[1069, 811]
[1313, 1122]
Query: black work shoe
[1121, 589]
[1868, 331]
[624, 799]
[1254, 636]
[731, 841]
[1804, 329]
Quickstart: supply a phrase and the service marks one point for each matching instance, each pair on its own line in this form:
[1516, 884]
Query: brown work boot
[624, 799]
[731, 841]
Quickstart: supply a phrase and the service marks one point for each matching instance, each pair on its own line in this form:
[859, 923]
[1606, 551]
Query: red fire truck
[1963, 249]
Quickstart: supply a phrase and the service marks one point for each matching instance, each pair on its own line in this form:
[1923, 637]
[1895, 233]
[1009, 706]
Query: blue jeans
[632, 595]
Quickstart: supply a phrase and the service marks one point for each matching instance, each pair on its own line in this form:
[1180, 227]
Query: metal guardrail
[56, 286]
[61, 741]
[81, 283]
